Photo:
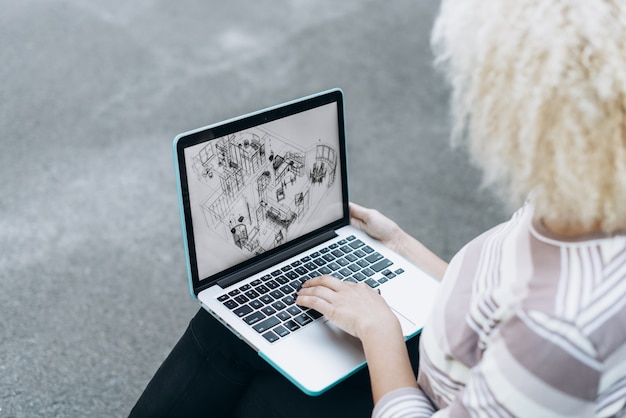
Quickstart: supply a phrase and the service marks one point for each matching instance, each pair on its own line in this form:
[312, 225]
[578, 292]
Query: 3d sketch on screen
[260, 187]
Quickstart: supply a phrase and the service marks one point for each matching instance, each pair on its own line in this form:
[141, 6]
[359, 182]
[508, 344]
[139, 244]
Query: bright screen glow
[254, 190]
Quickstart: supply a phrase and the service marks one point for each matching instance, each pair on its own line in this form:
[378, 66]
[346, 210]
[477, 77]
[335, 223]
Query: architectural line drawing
[262, 189]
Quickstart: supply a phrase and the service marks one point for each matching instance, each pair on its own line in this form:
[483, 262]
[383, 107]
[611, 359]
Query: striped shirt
[526, 324]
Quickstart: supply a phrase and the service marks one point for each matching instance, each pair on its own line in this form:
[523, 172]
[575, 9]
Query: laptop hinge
[280, 257]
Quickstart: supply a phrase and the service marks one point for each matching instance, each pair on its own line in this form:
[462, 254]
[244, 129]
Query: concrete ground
[93, 283]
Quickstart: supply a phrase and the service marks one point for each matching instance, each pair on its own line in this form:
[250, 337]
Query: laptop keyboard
[268, 304]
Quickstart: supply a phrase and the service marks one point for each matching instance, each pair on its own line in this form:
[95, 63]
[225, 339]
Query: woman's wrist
[382, 329]
[416, 252]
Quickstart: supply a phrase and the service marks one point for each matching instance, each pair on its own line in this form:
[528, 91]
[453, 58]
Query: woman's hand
[361, 311]
[376, 225]
[354, 307]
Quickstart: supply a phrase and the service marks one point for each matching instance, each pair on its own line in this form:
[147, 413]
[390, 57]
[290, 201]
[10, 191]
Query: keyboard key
[351, 257]
[337, 253]
[314, 314]
[333, 266]
[283, 315]
[368, 272]
[294, 310]
[303, 319]
[363, 263]
[278, 305]
[342, 262]
[272, 284]
[360, 253]
[296, 263]
[345, 272]
[346, 249]
[359, 276]
[367, 249]
[305, 259]
[270, 336]
[383, 280]
[296, 285]
[319, 261]
[325, 270]
[311, 266]
[254, 318]
[256, 304]
[268, 310]
[399, 271]
[356, 244]
[266, 299]
[222, 298]
[241, 299]
[372, 283]
[288, 300]
[252, 294]
[374, 257]
[244, 287]
[351, 237]
[343, 242]
[382, 264]
[292, 275]
[230, 304]
[262, 289]
[281, 331]
[291, 325]
[286, 268]
[276, 273]
[269, 276]
[301, 270]
[354, 267]
[324, 250]
[234, 292]
[282, 280]
[243, 311]
[328, 257]
[266, 324]
[277, 294]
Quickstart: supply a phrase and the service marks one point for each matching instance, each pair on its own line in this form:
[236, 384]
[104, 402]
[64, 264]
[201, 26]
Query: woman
[530, 317]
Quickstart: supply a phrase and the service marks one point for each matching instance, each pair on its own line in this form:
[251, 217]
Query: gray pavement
[93, 289]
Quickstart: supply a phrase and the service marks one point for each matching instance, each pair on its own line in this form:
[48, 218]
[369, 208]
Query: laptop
[264, 207]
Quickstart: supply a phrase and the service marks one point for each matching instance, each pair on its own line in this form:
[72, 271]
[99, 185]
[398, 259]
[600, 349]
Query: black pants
[211, 373]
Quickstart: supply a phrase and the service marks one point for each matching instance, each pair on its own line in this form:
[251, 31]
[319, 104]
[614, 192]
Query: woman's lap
[211, 372]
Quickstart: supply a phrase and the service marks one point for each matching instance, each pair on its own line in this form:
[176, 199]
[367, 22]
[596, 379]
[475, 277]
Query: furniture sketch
[260, 188]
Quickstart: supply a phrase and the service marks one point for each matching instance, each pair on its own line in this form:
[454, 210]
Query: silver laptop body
[264, 206]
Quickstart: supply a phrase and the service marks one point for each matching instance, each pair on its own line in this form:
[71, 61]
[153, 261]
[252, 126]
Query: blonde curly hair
[539, 93]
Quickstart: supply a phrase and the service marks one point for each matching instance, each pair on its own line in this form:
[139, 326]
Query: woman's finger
[321, 292]
[326, 280]
[310, 301]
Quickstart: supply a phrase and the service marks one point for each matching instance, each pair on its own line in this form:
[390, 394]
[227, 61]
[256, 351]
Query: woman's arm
[390, 234]
[363, 313]
[387, 360]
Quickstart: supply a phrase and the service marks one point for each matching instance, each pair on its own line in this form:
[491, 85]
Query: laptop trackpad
[412, 300]
[325, 356]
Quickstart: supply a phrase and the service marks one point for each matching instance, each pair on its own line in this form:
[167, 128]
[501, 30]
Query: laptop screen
[253, 190]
